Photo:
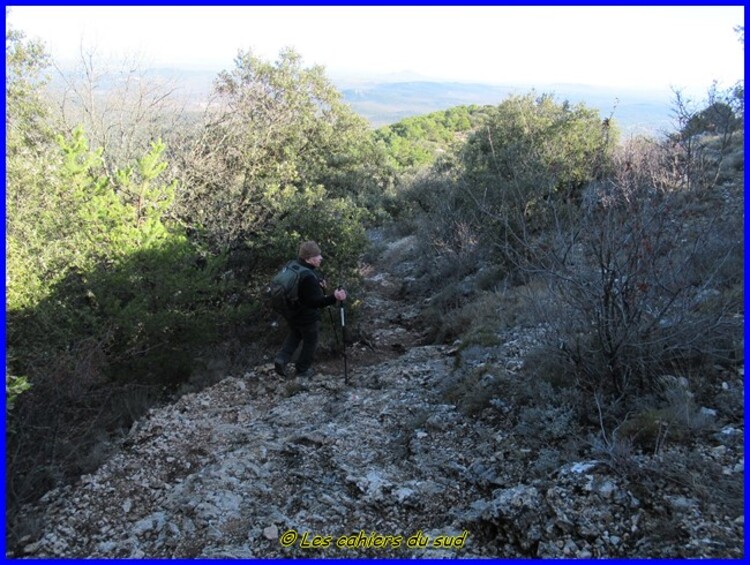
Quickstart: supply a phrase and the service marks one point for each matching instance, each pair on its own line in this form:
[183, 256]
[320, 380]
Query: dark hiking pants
[308, 335]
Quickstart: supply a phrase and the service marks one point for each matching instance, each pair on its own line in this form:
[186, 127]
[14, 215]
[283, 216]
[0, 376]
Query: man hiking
[304, 321]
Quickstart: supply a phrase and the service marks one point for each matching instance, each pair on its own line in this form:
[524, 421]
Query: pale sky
[643, 47]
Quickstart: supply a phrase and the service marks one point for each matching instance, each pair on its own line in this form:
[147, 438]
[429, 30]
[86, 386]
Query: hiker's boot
[280, 367]
[306, 374]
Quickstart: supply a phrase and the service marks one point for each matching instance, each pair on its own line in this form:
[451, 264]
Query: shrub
[277, 132]
[105, 294]
[531, 154]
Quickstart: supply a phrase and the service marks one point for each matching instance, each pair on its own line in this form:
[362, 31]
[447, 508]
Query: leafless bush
[705, 135]
[638, 290]
[643, 263]
[644, 282]
[122, 107]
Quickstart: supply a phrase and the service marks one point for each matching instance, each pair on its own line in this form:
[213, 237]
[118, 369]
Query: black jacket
[311, 296]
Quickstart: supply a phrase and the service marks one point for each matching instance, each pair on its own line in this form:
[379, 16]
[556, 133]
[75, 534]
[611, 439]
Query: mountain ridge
[387, 99]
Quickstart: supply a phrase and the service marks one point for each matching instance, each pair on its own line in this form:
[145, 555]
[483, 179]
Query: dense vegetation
[130, 256]
[139, 243]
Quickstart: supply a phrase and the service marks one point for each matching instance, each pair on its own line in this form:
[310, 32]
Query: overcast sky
[642, 47]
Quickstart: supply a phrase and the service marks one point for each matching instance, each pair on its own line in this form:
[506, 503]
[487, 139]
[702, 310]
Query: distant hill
[387, 103]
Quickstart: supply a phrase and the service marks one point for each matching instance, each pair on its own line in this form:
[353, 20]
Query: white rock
[404, 493]
[271, 532]
[151, 522]
[582, 467]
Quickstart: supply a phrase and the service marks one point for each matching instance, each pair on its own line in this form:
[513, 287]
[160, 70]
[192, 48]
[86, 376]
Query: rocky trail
[381, 467]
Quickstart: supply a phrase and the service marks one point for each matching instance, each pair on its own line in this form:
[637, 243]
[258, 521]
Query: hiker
[304, 323]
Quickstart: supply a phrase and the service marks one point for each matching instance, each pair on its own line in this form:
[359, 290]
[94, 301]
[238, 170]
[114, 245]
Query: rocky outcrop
[384, 466]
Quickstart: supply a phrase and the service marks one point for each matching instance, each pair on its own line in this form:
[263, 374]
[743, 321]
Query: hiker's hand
[340, 294]
[323, 284]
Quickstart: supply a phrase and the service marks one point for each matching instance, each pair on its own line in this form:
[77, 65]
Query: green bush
[419, 141]
[119, 273]
[532, 153]
[105, 296]
[278, 132]
[335, 223]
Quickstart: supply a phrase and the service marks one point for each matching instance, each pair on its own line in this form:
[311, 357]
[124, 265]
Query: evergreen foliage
[110, 269]
[539, 146]
[419, 141]
[528, 152]
[117, 278]
[280, 131]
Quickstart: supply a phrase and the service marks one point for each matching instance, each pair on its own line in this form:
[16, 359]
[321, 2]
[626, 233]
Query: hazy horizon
[499, 45]
[387, 98]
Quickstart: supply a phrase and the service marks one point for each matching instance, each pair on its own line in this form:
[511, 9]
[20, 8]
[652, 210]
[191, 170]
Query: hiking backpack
[283, 292]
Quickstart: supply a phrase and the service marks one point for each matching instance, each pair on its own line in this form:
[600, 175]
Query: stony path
[258, 467]
[385, 326]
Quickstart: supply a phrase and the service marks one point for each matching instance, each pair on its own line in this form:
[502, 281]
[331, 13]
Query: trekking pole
[343, 340]
[333, 326]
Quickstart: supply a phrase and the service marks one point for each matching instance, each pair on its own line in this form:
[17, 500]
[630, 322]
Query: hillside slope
[384, 466]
